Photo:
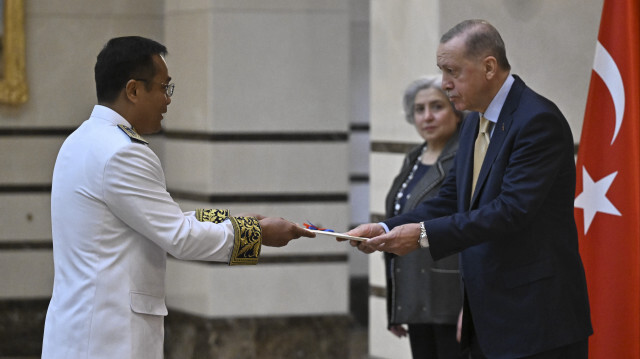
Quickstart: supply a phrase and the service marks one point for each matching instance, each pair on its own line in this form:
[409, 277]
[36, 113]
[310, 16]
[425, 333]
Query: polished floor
[358, 346]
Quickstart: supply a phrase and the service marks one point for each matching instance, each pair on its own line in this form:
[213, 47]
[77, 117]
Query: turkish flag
[607, 205]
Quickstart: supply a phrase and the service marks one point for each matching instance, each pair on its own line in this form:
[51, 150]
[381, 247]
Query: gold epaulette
[247, 234]
[132, 134]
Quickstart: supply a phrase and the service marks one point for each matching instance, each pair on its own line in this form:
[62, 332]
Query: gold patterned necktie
[482, 143]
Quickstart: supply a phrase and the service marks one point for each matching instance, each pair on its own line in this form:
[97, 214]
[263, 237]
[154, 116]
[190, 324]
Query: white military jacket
[112, 224]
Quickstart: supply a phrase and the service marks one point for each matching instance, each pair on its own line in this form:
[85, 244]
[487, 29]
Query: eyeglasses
[168, 88]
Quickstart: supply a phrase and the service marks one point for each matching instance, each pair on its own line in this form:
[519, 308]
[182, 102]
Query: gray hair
[409, 98]
[482, 40]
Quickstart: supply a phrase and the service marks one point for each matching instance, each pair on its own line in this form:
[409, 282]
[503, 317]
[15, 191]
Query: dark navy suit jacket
[523, 277]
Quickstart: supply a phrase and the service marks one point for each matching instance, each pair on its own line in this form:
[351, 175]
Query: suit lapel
[500, 131]
[468, 134]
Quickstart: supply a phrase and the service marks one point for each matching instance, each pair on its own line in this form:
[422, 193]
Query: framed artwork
[13, 78]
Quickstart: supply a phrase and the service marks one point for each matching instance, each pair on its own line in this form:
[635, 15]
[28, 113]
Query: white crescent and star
[607, 69]
[593, 198]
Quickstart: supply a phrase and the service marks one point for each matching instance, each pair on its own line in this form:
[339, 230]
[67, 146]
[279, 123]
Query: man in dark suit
[525, 292]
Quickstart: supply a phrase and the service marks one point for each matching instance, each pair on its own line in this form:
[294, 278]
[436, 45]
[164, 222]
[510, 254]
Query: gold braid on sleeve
[247, 234]
[212, 215]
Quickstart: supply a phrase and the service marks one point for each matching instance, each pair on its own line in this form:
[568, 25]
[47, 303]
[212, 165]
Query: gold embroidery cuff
[212, 215]
[247, 234]
[248, 240]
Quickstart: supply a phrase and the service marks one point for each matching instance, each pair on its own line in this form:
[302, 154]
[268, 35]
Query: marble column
[260, 123]
[404, 38]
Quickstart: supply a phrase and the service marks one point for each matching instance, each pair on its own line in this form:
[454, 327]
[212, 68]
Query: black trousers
[434, 341]
[579, 350]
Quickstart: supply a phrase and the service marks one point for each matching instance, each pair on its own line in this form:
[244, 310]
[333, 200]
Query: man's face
[462, 78]
[153, 99]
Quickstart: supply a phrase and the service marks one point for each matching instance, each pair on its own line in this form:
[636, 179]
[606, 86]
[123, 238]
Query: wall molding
[47, 244]
[259, 197]
[36, 131]
[22, 188]
[257, 137]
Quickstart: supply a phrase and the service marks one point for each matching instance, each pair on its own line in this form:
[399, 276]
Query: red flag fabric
[607, 205]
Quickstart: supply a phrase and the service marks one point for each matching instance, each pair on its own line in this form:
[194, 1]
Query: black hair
[123, 59]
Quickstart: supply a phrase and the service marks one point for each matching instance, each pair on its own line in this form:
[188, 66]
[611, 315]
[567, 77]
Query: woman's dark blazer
[419, 289]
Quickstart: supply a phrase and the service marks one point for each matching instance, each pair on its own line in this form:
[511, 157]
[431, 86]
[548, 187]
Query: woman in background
[421, 293]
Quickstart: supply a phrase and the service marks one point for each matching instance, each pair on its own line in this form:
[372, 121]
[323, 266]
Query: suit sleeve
[535, 167]
[538, 156]
[134, 190]
[441, 205]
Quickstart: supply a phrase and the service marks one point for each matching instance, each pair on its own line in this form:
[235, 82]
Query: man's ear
[131, 90]
[490, 65]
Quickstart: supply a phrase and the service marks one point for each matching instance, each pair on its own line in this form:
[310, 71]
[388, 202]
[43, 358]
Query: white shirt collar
[493, 111]
[107, 114]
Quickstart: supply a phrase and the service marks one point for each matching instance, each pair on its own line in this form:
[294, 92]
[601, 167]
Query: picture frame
[13, 80]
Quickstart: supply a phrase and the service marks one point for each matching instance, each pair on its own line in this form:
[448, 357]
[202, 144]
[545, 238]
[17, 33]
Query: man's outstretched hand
[277, 232]
[400, 240]
[368, 230]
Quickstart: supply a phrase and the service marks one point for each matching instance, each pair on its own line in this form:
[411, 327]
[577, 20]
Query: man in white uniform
[113, 221]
